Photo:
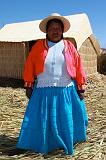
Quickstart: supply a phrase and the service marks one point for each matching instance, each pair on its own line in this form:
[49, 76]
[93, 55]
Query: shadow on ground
[8, 149]
[7, 145]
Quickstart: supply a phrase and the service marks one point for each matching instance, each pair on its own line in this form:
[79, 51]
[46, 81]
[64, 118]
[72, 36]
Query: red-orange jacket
[35, 62]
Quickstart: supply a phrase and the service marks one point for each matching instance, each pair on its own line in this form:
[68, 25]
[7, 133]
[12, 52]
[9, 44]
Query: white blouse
[55, 72]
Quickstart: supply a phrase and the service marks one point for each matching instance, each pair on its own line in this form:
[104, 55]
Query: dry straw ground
[12, 107]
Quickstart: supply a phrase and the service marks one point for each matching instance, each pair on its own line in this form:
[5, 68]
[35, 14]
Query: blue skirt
[55, 118]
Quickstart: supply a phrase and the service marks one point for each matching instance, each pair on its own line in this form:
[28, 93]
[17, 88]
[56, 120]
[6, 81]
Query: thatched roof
[26, 31]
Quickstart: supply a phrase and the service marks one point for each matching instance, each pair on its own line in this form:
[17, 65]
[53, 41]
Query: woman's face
[54, 32]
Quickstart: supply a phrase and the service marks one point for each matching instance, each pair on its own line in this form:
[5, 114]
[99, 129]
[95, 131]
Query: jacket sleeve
[28, 74]
[80, 73]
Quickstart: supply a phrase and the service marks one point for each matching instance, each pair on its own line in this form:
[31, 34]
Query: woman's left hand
[80, 94]
[29, 92]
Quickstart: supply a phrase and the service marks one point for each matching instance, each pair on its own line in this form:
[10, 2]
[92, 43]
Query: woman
[55, 116]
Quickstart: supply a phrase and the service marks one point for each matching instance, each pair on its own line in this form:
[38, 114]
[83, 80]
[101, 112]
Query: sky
[13, 11]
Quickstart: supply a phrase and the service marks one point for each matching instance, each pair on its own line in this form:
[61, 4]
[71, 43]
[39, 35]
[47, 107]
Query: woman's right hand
[29, 92]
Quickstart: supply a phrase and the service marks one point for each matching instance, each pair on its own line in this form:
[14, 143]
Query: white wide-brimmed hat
[65, 22]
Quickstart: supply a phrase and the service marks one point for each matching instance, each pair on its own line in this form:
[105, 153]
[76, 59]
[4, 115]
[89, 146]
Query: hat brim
[65, 22]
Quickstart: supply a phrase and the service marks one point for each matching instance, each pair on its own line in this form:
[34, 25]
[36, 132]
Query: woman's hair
[57, 21]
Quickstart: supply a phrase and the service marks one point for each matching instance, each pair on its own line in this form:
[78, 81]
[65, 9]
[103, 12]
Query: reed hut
[17, 39]
[101, 61]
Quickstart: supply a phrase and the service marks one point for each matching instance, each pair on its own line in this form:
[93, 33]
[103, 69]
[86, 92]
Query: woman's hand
[29, 92]
[81, 94]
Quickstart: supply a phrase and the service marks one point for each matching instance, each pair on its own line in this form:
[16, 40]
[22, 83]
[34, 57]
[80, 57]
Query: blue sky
[12, 11]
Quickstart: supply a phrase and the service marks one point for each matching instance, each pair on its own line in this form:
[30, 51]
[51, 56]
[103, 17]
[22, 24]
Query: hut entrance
[72, 40]
[31, 43]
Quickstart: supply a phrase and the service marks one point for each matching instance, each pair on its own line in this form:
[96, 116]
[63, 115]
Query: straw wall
[89, 57]
[12, 58]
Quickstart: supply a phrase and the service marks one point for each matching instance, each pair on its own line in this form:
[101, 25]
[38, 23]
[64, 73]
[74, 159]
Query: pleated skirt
[55, 118]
